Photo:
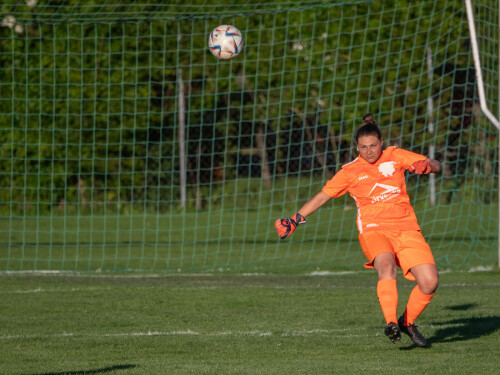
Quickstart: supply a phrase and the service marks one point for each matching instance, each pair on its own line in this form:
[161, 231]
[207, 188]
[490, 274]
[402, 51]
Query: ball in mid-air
[225, 42]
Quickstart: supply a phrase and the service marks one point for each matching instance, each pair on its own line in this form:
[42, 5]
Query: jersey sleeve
[337, 185]
[407, 158]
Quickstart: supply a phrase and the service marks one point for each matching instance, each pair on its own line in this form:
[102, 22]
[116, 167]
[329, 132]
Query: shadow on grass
[465, 329]
[462, 329]
[465, 306]
[89, 372]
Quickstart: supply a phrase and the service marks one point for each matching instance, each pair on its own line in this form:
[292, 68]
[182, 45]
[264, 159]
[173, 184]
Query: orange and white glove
[285, 227]
[421, 167]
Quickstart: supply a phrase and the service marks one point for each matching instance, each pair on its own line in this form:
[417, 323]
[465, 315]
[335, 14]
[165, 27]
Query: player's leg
[427, 277]
[417, 263]
[387, 293]
[385, 265]
[379, 251]
[427, 281]
[387, 290]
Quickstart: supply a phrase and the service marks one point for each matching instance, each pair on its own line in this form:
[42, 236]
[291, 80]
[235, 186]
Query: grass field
[237, 241]
[240, 324]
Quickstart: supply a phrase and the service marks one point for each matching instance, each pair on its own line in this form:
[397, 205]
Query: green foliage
[96, 104]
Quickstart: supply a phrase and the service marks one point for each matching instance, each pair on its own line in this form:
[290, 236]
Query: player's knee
[387, 270]
[385, 265]
[429, 284]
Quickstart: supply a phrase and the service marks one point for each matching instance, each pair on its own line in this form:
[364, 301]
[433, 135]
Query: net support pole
[430, 128]
[480, 89]
[182, 135]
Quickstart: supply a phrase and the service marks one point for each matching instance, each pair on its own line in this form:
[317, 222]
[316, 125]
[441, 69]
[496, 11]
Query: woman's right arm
[335, 187]
[314, 203]
[285, 227]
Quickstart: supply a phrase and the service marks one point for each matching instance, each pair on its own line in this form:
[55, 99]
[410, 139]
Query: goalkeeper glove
[421, 167]
[285, 227]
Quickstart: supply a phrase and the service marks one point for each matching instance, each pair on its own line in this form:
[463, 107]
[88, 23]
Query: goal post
[480, 85]
[477, 64]
[127, 147]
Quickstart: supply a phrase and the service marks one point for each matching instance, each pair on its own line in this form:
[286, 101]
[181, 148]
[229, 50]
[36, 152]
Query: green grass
[236, 324]
[461, 237]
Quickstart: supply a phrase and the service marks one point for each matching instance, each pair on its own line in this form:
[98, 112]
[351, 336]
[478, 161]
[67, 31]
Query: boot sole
[393, 333]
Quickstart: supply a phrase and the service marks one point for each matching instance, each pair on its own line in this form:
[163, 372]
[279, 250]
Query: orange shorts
[409, 248]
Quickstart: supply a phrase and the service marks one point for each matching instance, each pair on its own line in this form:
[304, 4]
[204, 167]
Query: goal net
[127, 146]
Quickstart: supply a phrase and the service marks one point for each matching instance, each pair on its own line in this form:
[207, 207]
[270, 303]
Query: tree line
[90, 110]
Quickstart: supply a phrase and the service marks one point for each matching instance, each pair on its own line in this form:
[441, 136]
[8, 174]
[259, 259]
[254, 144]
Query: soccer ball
[225, 42]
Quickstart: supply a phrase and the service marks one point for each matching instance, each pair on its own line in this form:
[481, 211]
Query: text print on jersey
[388, 192]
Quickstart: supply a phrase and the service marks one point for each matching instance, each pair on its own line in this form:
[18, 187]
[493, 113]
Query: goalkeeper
[389, 234]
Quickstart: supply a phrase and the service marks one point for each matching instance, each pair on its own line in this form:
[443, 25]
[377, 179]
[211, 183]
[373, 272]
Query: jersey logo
[362, 177]
[383, 192]
[387, 168]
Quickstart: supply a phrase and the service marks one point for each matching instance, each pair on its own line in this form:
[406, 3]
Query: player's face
[370, 148]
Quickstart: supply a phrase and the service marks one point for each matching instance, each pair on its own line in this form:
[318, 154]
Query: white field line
[254, 333]
[139, 275]
[214, 287]
[56, 290]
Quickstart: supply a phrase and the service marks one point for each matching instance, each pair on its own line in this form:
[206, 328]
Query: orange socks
[387, 293]
[417, 302]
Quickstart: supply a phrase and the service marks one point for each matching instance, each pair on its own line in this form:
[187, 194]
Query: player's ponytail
[369, 127]
[368, 119]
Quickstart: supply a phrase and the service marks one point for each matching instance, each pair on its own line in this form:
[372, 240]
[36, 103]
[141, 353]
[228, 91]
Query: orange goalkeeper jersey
[379, 190]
